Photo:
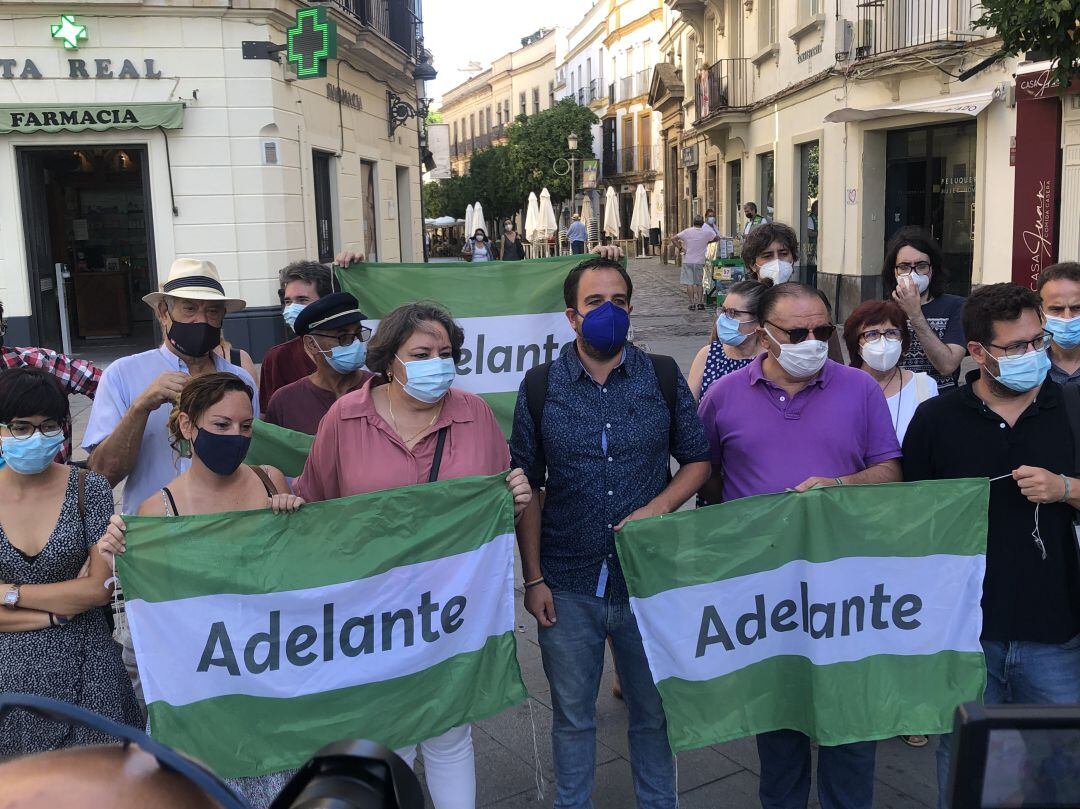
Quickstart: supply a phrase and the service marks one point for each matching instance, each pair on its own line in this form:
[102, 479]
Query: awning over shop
[968, 104]
[28, 118]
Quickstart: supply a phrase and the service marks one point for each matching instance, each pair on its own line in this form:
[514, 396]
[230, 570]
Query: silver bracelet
[1068, 489]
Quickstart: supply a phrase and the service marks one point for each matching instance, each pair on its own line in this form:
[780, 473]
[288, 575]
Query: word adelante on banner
[819, 620]
[221, 651]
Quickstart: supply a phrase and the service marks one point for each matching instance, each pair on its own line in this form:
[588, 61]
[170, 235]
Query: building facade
[847, 122]
[135, 133]
[630, 146]
[479, 110]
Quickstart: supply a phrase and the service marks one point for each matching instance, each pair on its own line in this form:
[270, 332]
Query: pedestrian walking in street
[511, 248]
[734, 341]
[877, 337]
[577, 234]
[333, 334]
[1012, 424]
[597, 427]
[211, 425]
[814, 423]
[914, 276]
[692, 243]
[1059, 290]
[478, 248]
[75, 376]
[302, 283]
[54, 639]
[127, 435]
[410, 426]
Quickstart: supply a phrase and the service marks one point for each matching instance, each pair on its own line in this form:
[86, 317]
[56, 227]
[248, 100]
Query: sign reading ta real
[78, 69]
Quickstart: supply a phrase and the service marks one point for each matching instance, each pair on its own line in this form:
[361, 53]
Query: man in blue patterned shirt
[610, 419]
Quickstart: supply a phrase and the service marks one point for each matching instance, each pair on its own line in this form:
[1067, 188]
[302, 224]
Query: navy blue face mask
[222, 454]
[605, 328]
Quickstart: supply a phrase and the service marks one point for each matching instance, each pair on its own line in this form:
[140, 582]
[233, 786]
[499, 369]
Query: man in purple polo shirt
[793, 419]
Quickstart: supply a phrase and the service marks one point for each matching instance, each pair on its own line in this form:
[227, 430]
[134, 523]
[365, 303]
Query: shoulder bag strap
[268, 484]
[536, 387]
[436, 461]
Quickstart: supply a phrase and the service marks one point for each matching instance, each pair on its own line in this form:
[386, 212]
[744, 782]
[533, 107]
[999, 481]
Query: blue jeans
[845, 773]
[573, 654]
[577, 248]
[1023, 673]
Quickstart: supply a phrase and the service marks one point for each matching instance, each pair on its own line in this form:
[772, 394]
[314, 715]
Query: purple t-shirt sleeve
[707, 412]
[881, 442]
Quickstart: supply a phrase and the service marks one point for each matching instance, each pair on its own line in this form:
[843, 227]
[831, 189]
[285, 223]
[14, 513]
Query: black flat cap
[335, 311]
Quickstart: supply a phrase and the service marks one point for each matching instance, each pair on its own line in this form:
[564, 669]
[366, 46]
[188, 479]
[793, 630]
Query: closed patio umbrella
[639, 219]
[532, 217]
[612, 225]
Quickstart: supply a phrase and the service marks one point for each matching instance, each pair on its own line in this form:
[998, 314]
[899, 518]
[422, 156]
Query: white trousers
[449, 766]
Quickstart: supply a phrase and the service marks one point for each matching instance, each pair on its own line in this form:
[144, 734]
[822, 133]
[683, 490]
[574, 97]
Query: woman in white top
[877, 337]
[478, 248]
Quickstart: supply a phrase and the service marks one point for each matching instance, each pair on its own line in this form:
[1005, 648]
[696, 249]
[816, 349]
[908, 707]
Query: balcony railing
[630, 86]
[631, 160]
[394, 19]
[611, 93]
[721, 87]
[596, 89]
[884, 26]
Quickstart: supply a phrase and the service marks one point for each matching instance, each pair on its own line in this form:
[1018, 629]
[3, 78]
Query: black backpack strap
[667, 375]
[1072, 409]
[234, 357]
[536, 387]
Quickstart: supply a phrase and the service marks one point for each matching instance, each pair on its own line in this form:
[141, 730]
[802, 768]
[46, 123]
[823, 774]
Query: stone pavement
[513, 749]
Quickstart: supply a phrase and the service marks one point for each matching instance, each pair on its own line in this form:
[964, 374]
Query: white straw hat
[196, 280]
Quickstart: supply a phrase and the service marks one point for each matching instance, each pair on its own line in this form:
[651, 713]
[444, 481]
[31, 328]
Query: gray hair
[399, 325]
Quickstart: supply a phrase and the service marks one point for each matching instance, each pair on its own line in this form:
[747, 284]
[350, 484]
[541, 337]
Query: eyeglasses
[24, 429]
[345, 339]
[889, 334]
[1040, 343]
[734, 314]
[822, 333]
[73, 716]
[906, 268]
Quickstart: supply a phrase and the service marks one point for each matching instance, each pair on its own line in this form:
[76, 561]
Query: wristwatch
[11, 597]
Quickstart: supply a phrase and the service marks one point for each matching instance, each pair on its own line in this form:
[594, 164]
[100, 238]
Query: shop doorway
[930, 182]
[87, 210]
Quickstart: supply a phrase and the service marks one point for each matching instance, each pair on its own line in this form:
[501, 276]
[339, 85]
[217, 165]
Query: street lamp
[564, 166]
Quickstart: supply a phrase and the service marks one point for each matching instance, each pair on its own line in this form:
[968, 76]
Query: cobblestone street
[511, 746]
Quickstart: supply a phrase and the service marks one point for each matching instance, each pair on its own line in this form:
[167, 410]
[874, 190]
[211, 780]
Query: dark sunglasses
[822, 333]
[168, 759]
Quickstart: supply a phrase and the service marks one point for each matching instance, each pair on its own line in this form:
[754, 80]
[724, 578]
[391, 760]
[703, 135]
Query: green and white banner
[512, 313]
[278, 447]
[848, 613]
[262, 637]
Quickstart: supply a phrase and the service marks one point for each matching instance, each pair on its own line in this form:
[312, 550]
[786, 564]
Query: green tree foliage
[1051, 27]
[501, 177]
[536, 142]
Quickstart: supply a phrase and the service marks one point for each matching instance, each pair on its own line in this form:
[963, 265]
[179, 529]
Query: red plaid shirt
[74, 376]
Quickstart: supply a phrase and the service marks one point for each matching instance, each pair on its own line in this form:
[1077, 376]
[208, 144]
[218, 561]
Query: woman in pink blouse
[409, 426]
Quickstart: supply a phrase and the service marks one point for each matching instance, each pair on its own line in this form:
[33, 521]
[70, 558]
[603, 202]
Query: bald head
[95, 777]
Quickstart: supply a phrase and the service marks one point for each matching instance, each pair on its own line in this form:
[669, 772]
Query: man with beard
[597, 427]
[1012, 424]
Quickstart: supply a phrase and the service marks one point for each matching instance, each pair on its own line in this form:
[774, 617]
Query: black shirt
[1025, 598]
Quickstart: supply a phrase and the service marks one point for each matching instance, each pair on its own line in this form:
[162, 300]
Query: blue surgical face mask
[1066, 332]
[727, 331]
[346, 359]
[711, 220]
[291, 312]
[429, 380]
[1025, 372]
[605, 328]
[30, 456]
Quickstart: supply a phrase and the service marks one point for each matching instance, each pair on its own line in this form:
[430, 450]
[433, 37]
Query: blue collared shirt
[607, 452]
[577, 232]
[121, 384]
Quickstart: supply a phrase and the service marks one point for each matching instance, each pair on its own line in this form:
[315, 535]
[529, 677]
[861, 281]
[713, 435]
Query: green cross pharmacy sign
[311, 42]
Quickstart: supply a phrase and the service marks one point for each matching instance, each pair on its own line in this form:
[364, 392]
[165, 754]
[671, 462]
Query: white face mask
[801, 360]
[922, 282]
[881, 354]
[778, 271]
